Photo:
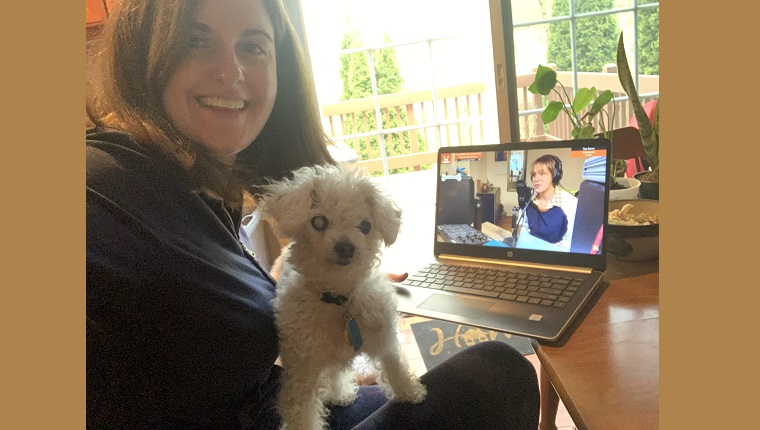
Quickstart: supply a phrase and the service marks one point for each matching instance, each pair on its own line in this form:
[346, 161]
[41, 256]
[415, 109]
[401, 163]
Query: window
[579, 38]
[397, 82]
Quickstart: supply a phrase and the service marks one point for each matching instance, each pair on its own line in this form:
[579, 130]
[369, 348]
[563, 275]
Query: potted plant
[648, 127]
[583, 122]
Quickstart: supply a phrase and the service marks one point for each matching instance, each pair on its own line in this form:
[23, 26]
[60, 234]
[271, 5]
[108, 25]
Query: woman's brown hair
[139, 49]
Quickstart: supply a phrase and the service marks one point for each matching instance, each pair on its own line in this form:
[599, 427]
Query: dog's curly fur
[337, 221]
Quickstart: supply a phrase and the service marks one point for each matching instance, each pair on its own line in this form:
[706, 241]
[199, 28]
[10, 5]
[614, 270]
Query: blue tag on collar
[353, 334]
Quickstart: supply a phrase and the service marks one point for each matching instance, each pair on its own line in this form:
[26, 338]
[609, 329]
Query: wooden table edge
[556, 383]
[559, 388]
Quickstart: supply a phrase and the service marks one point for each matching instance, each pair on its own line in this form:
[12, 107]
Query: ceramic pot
[630, 192]
[634, 242]
[648, 190]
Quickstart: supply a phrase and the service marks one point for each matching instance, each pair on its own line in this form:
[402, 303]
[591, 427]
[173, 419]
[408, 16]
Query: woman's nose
[229, 68]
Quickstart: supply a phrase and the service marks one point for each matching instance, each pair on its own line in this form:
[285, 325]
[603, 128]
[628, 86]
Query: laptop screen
[542, 202]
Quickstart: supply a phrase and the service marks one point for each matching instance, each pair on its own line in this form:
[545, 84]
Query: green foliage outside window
[355, 76]
[649, 41]
[596, 36]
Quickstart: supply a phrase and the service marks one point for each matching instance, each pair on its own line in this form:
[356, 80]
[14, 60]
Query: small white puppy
[332, 302]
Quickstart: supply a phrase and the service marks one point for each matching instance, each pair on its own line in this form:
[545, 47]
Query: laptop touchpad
[456, 305]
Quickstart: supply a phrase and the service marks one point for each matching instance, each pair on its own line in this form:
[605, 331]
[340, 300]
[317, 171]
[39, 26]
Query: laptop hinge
[583, 270]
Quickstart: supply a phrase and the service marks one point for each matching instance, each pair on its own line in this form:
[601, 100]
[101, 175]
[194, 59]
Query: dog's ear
[288, 201]
[385, 212]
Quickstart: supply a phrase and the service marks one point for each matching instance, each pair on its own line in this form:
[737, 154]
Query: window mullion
[573, 45]
[378, 113]
[434, 95]
[635, 71]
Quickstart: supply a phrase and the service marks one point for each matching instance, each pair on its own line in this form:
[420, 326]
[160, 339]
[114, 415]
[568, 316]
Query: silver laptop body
[511, 276]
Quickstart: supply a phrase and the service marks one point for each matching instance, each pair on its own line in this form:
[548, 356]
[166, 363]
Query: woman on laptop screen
[550, 214]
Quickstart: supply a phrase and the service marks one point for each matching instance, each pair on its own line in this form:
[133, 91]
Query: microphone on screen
[524, 194]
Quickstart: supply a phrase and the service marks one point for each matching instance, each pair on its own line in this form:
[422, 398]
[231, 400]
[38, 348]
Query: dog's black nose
[344, 249]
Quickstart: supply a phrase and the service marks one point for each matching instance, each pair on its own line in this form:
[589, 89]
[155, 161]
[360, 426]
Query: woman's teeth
[221, 103]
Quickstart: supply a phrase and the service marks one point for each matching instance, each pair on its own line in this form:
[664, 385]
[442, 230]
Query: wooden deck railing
[412, 135]
[410, 130]
[531, 125]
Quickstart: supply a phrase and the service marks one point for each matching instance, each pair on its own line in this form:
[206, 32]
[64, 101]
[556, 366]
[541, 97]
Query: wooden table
[607, 373]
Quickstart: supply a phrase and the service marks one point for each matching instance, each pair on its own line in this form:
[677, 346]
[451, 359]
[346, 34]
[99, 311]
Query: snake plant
[650, 133]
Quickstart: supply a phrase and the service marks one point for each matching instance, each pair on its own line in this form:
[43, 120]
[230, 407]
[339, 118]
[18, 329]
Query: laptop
[513, 275]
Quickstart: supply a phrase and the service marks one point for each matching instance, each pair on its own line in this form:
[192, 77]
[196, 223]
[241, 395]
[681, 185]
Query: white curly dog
[332, 303]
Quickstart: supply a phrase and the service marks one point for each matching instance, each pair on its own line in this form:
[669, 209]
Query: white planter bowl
[630, 193]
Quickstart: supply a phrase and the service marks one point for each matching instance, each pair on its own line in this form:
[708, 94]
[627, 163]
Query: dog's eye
[319, 222]
[365, 226]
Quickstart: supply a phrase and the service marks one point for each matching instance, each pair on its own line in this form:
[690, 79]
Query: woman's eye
[251, 48]
[197, 42]
[365, 226]
[319, 223]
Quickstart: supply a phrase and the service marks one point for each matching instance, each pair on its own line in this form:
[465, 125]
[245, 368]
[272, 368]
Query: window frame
[572, 17]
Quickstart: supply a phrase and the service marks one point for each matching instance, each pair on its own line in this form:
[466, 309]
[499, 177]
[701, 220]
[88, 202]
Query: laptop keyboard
[462, 233]
[546, 290]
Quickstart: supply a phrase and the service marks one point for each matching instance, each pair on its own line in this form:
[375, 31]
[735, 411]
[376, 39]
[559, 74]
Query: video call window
[560, 199]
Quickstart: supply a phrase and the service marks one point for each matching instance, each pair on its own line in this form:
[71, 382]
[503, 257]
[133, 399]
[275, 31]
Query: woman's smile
[223, 91]
[222, 103]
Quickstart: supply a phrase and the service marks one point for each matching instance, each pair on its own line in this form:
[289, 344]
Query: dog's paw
[342, 397]
[342, 401]
[414, 392]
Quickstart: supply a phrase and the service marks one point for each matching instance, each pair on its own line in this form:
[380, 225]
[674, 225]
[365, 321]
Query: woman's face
[223, 91]
[541, 178]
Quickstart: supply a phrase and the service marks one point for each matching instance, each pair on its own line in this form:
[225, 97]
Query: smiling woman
[188, 115]
[199, 103]
[172, 72]
[223, 90]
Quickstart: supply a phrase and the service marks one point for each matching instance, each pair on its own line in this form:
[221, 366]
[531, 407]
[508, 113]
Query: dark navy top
[180, 326]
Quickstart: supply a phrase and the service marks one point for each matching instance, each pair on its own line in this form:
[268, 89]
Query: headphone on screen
[557, 174]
